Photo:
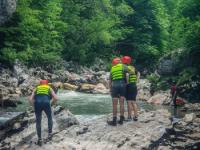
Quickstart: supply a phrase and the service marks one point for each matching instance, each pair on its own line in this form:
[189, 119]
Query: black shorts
[118, 88]
[131, 92]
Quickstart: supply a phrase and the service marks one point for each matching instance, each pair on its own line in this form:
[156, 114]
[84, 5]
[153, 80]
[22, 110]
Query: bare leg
[121, 102]
[115, 102]
[114, 121]
[135, 110]
[130, 108]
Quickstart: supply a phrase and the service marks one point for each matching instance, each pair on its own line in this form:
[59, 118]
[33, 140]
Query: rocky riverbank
[20, 81]
[152, 131]
[69, 134]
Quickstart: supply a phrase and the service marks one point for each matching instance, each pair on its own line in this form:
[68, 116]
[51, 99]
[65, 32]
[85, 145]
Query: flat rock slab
[97, 135]
[9, 118]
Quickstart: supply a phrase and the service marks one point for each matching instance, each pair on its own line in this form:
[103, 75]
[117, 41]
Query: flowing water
[84, 106]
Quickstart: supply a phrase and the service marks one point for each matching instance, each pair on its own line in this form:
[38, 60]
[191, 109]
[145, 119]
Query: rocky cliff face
[7, 8]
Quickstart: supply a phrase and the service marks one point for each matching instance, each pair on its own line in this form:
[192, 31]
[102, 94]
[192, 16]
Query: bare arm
[130, 70]
[31, 98]
[138, 76]
[55, 98]
[110, 82]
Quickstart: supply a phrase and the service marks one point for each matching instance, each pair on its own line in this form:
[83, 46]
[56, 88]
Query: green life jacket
[43, 90]
[117, 72]
[132, 77]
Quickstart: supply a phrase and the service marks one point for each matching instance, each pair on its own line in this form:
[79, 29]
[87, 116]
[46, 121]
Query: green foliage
[47, 31]
[37, 36]
[92, 34]
[160, 82]
[8, 55]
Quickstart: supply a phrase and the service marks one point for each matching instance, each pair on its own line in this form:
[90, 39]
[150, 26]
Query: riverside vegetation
[161, 35]
[42, 33]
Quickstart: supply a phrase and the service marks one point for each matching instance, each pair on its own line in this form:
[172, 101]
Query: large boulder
[168, 64]
[102, 77]
[144, 87]
[7, 8]
[69, 86]
[25, 125]
[56, 85]
[74, 78]
[65, 119]
[87, 87]
[189, 117]
[98, 65]
[8, 96]
[161, 97]
[101, 89]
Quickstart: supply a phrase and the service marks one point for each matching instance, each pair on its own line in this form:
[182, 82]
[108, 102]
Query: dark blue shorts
[118, 88]
[131, 92]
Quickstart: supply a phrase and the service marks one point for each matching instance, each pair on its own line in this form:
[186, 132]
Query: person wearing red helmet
[131, 88]
[116, 61]
[118, 88]
[40, 99]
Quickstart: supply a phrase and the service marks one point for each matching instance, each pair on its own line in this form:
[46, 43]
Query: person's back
[118, 88]
[41, 98]
[131, 88]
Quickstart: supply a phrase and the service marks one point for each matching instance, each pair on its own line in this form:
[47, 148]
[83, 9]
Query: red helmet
[43, 82]
[126, 59]
[115, 61]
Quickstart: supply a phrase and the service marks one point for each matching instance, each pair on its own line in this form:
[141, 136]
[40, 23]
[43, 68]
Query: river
[84, 106]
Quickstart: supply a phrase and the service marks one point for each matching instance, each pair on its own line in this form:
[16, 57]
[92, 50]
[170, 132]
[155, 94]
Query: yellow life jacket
[117, 72]
[132, 77]
[43, 90]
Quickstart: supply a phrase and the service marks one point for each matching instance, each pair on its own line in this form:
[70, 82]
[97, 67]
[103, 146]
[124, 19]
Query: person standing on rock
[118, 88]
[131, 88]
[174, 97]
[41, 100]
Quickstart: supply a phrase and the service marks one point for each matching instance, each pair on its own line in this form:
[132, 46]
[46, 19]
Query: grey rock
[189, 117]
[7, 8]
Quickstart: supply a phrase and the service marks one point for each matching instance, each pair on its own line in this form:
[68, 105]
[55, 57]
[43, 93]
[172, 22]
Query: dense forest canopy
[48, 31]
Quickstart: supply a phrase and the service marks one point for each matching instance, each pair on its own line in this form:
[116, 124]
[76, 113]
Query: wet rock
[57, 85]
[87, 87]
[8, 103]
[68, 86]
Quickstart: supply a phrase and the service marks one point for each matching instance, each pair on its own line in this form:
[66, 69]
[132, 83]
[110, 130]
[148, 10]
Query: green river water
[84, 106]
